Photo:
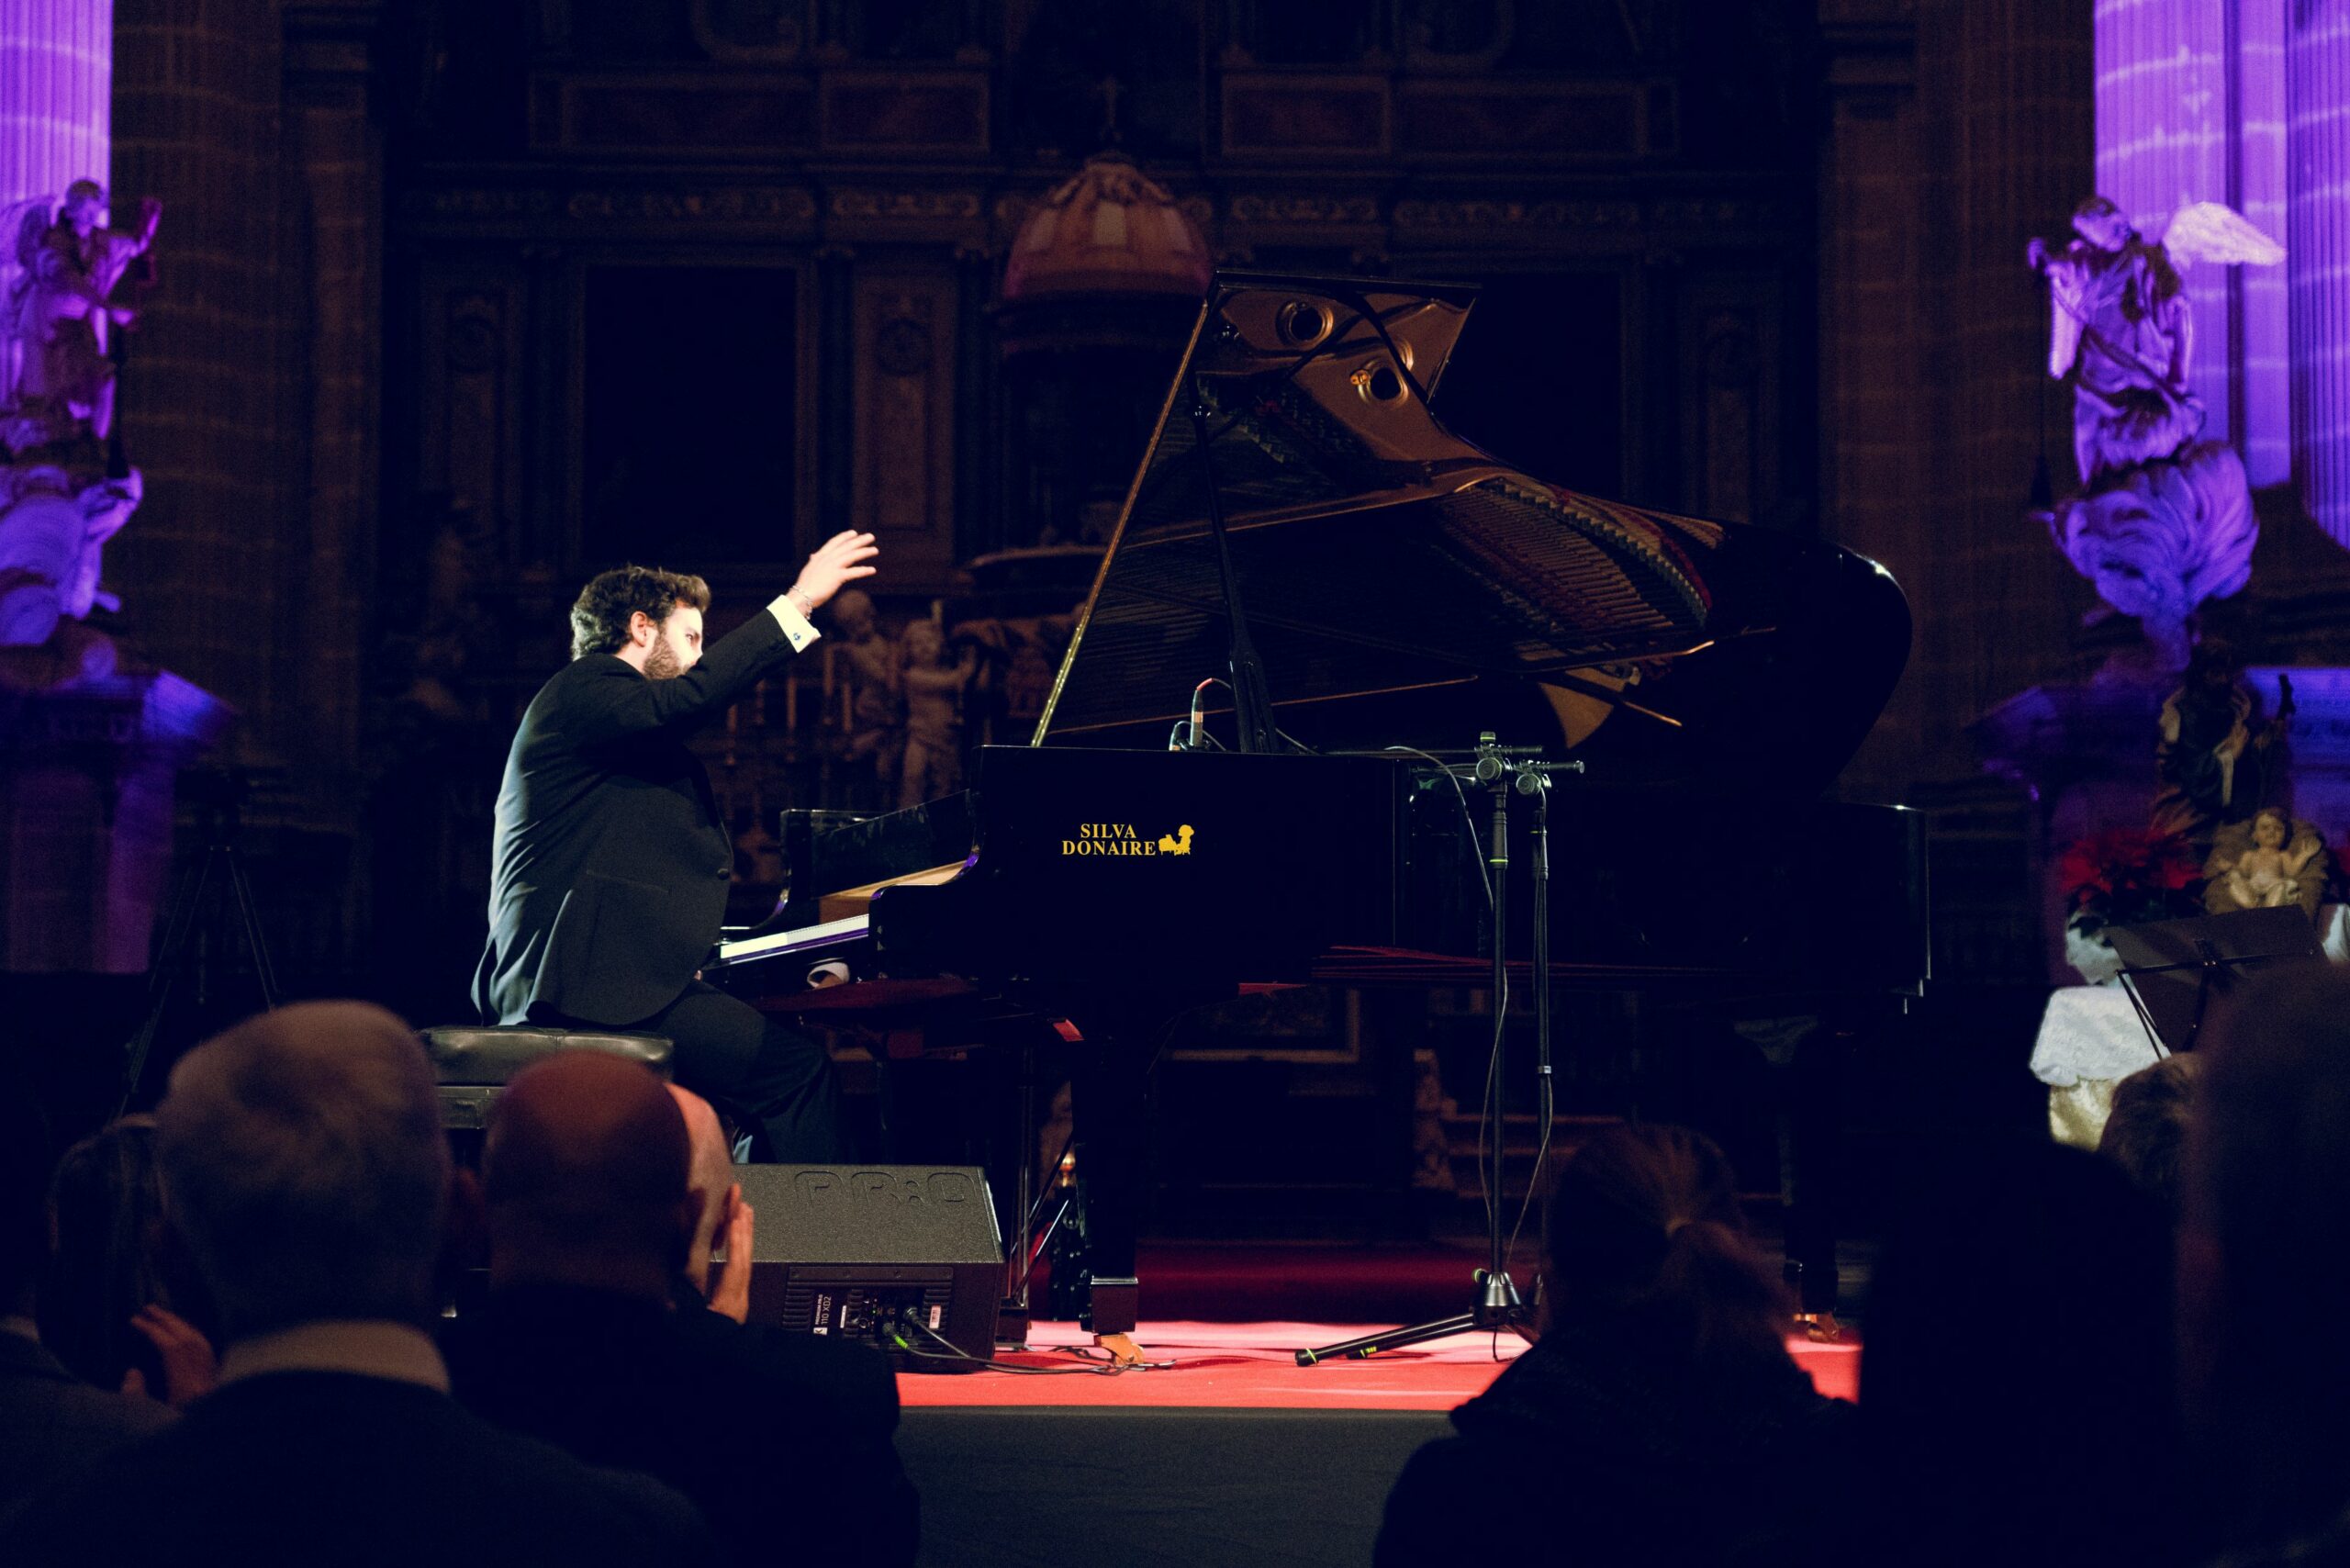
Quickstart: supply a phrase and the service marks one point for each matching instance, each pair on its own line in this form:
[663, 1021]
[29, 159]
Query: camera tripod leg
[249, 913]
[178, 928]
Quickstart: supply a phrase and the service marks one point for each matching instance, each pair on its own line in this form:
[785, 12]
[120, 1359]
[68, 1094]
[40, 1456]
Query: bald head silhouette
[710, 1175]
[585, 1172]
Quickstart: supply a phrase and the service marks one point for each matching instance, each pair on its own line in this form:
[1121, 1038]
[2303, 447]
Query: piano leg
[1108, 1088]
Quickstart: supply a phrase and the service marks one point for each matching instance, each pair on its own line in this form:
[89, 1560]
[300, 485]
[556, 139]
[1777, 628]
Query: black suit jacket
[611, 864]
[52, 1423]
[329, 1467]
[786, 1441]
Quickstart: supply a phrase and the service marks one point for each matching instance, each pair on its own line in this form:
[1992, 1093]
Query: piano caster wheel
[1124, 1352]
[1819, 1328]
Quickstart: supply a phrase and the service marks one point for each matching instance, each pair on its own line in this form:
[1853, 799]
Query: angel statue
[2163, 522]
[57, 313]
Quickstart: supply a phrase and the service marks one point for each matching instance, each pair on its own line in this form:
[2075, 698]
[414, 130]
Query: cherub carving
[59, 269]
[935, 686]
[876, 710]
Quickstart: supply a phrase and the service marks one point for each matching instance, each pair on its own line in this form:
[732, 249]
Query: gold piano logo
[1120, 838]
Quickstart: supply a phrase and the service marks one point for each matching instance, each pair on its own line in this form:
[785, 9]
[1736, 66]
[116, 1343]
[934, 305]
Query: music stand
[2173, 969]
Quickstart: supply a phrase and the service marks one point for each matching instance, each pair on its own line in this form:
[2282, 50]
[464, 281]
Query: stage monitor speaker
[877, 1252]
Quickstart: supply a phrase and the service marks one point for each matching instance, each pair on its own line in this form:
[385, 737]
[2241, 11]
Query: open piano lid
[1386, 566]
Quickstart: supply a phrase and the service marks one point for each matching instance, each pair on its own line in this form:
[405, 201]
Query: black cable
[957, 1353]
[1468, 817]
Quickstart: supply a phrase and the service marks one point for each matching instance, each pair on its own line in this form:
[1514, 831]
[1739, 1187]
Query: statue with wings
[2163, 520]
[64, 489]
[2120, 330]
[59, 267]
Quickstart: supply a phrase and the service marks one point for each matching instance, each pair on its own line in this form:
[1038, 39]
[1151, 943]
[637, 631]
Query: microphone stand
[1498, 1305]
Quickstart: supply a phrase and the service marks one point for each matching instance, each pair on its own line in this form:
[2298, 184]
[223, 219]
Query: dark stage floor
[1226, 1452]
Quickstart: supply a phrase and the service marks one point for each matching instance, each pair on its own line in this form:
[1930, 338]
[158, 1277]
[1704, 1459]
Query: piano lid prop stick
[1608, 695]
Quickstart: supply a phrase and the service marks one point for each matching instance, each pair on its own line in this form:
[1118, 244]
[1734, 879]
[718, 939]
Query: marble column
[56, 92]
[2317, 247]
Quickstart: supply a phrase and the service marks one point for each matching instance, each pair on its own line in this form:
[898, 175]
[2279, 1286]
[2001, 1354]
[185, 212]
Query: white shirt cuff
[796, 630]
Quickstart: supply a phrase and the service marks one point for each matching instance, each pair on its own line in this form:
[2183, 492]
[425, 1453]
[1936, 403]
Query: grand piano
[1402, 592]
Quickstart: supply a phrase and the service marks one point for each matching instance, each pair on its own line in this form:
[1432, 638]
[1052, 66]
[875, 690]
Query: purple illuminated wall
[2190, 108]
[56, 86]
[2317, 242]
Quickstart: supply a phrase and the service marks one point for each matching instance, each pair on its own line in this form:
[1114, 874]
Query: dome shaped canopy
[1108, 229]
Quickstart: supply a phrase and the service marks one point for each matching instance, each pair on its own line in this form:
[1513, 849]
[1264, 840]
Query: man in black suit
[611, 862]
[784, 1440]
[307, 1175]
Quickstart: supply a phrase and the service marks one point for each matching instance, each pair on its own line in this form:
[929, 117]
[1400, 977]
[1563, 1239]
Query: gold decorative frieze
[929, 207]
[1259, 208]
[718, 204]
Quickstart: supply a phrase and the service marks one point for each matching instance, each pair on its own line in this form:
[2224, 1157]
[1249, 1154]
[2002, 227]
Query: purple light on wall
[2190, 108]
[56, 94]
[2317, 261]
[2262, 347]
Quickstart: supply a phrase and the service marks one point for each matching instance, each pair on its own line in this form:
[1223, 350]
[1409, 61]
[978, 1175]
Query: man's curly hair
[600, 619]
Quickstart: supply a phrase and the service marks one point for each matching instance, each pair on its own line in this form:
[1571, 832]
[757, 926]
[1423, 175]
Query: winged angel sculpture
[61, 498]
[2163, 521]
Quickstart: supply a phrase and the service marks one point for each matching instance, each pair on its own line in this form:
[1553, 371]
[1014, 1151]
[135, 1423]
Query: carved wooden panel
[1297, 118]
[1547, 120]
[730, 114]
[1730, 401]
[905, 111]
[904, 425]
[687, 391]
[472, 324]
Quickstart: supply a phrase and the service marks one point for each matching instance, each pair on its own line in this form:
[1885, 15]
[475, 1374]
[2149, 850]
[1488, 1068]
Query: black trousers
[774, 1081]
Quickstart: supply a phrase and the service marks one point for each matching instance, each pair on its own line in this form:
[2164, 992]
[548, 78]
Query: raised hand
[729, 1292]
[837, 562]
[190, 1367]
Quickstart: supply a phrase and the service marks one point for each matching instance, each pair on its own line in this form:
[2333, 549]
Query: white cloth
[2090, 1032]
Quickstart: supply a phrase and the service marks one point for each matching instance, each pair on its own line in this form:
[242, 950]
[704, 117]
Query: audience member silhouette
[723, 1216]
[308, 1177]
[51, 1421]
[116, 1304]
[2017, 1394]
[2264, 1275]
[1659, 1418]
[2146, 1133]
[785, 1441]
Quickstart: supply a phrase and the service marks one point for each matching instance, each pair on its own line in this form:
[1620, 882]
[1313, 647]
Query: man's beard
[661, 661]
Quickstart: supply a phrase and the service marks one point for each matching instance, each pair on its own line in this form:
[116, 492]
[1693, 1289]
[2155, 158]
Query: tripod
[222, 796]
[1502, 772]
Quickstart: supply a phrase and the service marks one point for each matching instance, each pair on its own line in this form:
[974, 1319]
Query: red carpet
[1249, 1366]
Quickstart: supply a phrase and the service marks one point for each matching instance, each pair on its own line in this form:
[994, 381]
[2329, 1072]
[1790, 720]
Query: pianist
[610, 865]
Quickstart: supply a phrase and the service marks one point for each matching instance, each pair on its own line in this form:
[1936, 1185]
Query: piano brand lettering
[1120, 838]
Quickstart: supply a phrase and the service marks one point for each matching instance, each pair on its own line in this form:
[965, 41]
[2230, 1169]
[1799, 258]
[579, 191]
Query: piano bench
[472, 1063]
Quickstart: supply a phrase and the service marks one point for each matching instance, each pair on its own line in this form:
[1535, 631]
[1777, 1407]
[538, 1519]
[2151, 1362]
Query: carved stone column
[977, 529]
[835, 378]
[57, 78]
[2317, 256]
